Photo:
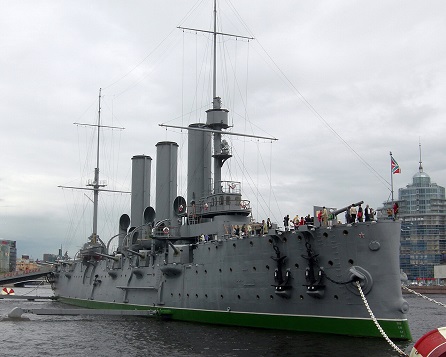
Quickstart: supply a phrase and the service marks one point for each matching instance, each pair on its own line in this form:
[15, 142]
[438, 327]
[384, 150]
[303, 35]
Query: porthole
[345, 232]
[271, 297]
[301, 297]
[336, 297]
[254, 268]
[296, 265]
[267, 267]
[221, 296]
[257, 297]
[330, 263]
[238, 296]
[325, 234]
[350, 261]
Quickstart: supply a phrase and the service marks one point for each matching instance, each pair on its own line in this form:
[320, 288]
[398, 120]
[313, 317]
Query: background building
[49, 258]
[8, 256]
[26, 263]
[422, 209]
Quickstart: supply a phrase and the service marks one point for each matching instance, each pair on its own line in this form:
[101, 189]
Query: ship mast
[217, 117]
[95, 184]
[214, 80]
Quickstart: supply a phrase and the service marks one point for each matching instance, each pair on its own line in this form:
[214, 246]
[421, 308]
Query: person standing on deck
[395, 210]
[286, 221]
[269, 224]
[296, 222]
[264, 227]
[360, 212]
[353, 214]
[324, 216]
[367, 213]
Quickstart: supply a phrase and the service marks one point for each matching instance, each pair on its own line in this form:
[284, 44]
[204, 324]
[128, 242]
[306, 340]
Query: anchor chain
[375, 321]
[310, 252]
[423, 296]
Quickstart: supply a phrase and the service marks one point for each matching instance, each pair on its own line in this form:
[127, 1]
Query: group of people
[352, 214]
[393, 213]
[294, 223]
[358, 214]
[253, 229]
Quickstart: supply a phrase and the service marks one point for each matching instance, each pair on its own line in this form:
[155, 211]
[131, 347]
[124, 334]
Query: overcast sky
[340, 84]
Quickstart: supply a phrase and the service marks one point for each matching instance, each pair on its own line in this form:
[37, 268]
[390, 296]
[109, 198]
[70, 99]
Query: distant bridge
[14, 277]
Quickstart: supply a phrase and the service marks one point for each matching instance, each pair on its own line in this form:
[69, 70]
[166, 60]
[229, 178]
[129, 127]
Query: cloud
[339, 84]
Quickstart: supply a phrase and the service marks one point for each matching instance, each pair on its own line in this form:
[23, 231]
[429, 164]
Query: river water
[142, 336]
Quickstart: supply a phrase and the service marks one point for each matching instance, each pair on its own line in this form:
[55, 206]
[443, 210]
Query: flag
[395, 167]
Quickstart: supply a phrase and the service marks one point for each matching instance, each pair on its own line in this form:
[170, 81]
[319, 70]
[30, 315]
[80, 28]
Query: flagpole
[391, 176]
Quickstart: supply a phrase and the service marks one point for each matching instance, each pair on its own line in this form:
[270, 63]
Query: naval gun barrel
[175, 249]
[335, 213]
[141, 255]
[112, 257]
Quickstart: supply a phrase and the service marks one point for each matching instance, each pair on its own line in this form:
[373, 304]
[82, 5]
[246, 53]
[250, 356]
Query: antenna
[420, 168]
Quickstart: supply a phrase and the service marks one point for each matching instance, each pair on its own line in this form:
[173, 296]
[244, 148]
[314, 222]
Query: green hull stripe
[395, 329]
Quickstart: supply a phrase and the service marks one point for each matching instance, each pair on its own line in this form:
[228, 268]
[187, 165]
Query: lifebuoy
[243, 205]
[231, 185]
[432, 344]
[8, 291]
[206, 206]
[166, 230]
[180, 208]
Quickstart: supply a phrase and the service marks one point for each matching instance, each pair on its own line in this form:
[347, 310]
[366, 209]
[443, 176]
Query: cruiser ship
[198, 256]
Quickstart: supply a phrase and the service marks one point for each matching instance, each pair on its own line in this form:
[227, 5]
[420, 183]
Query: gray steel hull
[234, 281]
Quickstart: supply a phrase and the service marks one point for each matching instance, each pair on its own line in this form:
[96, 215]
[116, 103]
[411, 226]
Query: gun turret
[335, 213]
[111, 257]
[141, 255]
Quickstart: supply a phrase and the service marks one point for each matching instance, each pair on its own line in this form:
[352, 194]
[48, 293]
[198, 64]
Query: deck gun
[335, 213]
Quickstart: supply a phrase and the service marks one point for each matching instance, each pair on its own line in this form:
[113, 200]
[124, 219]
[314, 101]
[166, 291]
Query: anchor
[315, 287]
[283, 289]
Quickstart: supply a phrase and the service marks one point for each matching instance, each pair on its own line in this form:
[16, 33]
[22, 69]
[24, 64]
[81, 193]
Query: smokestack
[141, 171]
[166, 179]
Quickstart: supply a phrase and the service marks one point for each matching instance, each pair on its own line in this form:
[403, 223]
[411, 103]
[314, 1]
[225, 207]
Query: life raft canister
[431, 344]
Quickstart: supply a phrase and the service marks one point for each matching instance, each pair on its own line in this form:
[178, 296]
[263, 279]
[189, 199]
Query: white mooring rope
[375, 321]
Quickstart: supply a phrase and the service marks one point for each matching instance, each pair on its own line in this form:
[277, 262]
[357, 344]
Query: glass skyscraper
[422, 209]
